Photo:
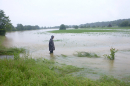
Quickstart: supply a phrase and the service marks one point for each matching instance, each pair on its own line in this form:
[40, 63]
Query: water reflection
[111, 65]
[52, 57]
[8, 42]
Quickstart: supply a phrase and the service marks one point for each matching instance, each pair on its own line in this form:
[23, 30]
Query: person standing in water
[51, 45]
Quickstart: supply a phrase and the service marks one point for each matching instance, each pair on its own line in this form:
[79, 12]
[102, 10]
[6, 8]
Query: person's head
[52, 37]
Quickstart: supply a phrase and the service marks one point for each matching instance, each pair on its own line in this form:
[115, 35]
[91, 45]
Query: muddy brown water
[36, 41]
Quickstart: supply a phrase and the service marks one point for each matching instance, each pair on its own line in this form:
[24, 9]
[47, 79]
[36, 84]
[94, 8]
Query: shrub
[112, 55]
[62, 27]
[2, 32]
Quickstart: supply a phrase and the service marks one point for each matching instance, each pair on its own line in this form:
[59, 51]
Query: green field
[91, 30]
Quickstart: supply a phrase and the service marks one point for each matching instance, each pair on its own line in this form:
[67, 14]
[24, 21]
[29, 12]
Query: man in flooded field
[51, 45]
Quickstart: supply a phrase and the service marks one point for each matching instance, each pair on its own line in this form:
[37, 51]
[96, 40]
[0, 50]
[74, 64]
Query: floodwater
[36, 42]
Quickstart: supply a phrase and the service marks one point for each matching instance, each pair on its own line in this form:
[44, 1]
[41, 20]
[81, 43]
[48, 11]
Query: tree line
[6, 25]
[26, 27]
[119, 23]
[116, 23]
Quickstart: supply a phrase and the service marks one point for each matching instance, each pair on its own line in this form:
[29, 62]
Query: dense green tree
[93, 26]
[104, 24]
[13, 28]
[5, 24]
[88, 27]
[124, 24]
[37, 27]
[62, 27]
[20, 27]
[67, 26]
[76, 27]
[27, 27]
[81, 26]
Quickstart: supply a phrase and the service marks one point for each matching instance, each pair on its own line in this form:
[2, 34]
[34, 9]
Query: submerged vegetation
[9, 51]
[86, 54]
[63, 55]
[112, 55]
[81, 31]
[84, 30]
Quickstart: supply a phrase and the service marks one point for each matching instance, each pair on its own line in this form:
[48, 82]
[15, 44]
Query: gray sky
[68, 12]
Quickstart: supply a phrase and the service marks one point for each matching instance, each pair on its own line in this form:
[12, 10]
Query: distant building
[109, 25]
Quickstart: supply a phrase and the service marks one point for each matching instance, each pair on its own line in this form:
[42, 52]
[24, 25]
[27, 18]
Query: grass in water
[63, 55]
[31, 72]
[53, 40]
[9, 51]
[86, 54]
[81, 31]
[106, 29]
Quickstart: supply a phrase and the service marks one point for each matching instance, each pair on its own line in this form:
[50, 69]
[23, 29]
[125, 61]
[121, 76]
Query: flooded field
[67, 44]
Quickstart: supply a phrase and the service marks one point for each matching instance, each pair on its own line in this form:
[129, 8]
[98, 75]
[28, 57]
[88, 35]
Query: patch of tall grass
[11, 51]
[37, 72]
[86, 54]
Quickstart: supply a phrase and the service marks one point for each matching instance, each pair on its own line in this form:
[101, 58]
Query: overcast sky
[68, 12]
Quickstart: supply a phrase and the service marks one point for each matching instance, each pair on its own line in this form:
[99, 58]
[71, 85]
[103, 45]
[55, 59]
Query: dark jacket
[51, 44]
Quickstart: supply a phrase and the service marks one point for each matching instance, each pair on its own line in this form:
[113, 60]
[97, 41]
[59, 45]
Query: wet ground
[36, 42]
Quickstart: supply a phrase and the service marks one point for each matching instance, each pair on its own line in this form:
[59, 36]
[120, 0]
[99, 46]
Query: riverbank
[24, 71]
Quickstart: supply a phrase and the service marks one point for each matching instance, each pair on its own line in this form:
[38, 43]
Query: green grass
[11, 51]
[30, 72]
[108, 28]
[53, 40]
[81, 31]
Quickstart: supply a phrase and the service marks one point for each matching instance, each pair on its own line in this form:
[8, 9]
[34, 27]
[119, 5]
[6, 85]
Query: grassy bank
[30, 72]
[9, 51]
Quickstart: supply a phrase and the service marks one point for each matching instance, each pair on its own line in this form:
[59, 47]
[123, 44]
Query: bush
[76, 27]
[112, 55]
[124, 24]
[62, 27]
[2, 32]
